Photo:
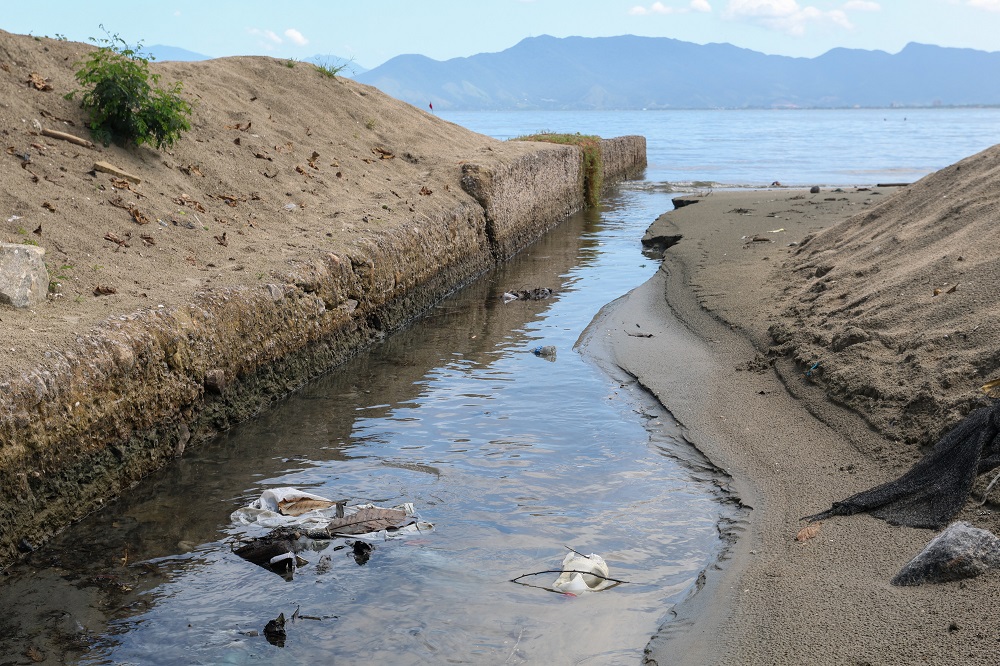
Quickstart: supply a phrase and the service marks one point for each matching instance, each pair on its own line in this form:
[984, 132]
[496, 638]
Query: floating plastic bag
[578, 574]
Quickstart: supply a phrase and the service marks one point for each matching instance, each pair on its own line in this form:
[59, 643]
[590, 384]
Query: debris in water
[582, 573]
[537, 294]
[274, 631]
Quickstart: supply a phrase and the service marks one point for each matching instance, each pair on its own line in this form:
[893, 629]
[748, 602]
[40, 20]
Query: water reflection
[512, 457]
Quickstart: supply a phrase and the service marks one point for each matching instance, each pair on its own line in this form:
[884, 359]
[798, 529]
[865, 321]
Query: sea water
[755, 148]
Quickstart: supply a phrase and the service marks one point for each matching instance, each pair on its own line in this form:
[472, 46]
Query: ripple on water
[512, 457]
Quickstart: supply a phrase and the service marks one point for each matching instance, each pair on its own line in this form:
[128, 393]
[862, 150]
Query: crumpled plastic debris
[577, 576]
[291, 507]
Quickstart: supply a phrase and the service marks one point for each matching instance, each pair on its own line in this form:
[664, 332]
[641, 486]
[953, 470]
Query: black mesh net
[936, 488]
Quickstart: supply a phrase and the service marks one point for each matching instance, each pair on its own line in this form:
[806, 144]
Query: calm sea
[756, 148]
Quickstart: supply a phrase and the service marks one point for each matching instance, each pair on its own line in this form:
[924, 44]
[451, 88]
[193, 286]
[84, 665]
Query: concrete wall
[93, 420]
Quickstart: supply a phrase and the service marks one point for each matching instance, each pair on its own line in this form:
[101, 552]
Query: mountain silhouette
[630, 72]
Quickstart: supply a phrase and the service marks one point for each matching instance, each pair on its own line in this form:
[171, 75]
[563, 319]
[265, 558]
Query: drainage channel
[513, 456]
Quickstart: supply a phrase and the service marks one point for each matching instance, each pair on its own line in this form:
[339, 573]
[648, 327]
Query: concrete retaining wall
[93, 420]
[623, 157]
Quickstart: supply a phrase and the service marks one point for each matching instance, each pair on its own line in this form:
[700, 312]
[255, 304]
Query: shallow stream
[512, 456]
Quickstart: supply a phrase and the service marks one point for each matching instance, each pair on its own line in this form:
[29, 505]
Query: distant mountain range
[162, 53]
[631, 72]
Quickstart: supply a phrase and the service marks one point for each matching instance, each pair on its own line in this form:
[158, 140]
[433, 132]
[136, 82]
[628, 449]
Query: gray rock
[960, 551]
[24, 281]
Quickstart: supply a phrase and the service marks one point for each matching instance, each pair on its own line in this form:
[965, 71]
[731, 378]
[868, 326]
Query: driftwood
[115, 171]
[67, 137]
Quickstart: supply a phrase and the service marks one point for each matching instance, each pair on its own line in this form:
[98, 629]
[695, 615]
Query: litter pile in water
[302, 521]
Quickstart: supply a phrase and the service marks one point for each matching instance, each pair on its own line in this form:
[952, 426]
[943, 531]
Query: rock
[24, 281]
[960, 551]
[680, 202]
[814, 189]
[215, 381]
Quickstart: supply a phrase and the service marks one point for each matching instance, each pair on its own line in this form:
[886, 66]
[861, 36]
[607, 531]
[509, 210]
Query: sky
[370, 32]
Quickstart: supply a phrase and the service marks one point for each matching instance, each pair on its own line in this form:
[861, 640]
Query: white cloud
[783, 15]
[296, 37]
[660, 8]
[269, 39]
[269, 35]
[988, 5]
[862, 6]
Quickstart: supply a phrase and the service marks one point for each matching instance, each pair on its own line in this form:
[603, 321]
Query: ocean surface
[729, 148]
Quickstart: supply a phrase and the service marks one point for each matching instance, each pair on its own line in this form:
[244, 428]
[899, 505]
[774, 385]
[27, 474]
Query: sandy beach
[788, 446]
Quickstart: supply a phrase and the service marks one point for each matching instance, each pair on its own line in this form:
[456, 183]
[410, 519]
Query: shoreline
[790, 452]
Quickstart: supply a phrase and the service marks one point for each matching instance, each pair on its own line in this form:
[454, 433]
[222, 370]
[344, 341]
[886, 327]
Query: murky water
[513, 457]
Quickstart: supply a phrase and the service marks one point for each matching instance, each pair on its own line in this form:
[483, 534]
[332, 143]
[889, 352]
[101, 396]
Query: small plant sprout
[331, 70]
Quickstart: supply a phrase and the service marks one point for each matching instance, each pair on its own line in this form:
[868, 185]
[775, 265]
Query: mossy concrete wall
[89, 422]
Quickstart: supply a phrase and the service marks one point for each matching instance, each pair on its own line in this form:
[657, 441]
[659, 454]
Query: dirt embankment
[301, 219]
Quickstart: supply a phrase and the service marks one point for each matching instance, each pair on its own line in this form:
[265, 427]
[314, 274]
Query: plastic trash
[546, 351]
[578, 574]
[291, 507]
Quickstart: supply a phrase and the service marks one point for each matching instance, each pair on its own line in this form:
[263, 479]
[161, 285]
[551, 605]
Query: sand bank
[790, 449]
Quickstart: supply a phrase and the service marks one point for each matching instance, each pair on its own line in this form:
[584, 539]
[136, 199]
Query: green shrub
[330, 69]
[123, 100]
[593, 167]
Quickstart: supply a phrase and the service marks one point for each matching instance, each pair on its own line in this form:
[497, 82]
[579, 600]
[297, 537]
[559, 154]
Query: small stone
[960, 551]
[24, 281]
[215, 381]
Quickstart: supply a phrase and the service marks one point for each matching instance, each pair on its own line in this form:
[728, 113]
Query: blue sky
[373, 31]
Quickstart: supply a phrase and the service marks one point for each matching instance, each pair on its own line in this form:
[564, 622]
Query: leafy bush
[123, 99]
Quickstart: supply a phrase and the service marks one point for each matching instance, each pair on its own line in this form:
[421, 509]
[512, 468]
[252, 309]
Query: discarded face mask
[578, 574]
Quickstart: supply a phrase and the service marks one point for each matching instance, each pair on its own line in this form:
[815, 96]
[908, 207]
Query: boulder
[24, 281]
[960, 551]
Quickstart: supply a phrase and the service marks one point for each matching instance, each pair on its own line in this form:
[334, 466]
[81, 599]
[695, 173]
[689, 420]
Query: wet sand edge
[790, 452]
